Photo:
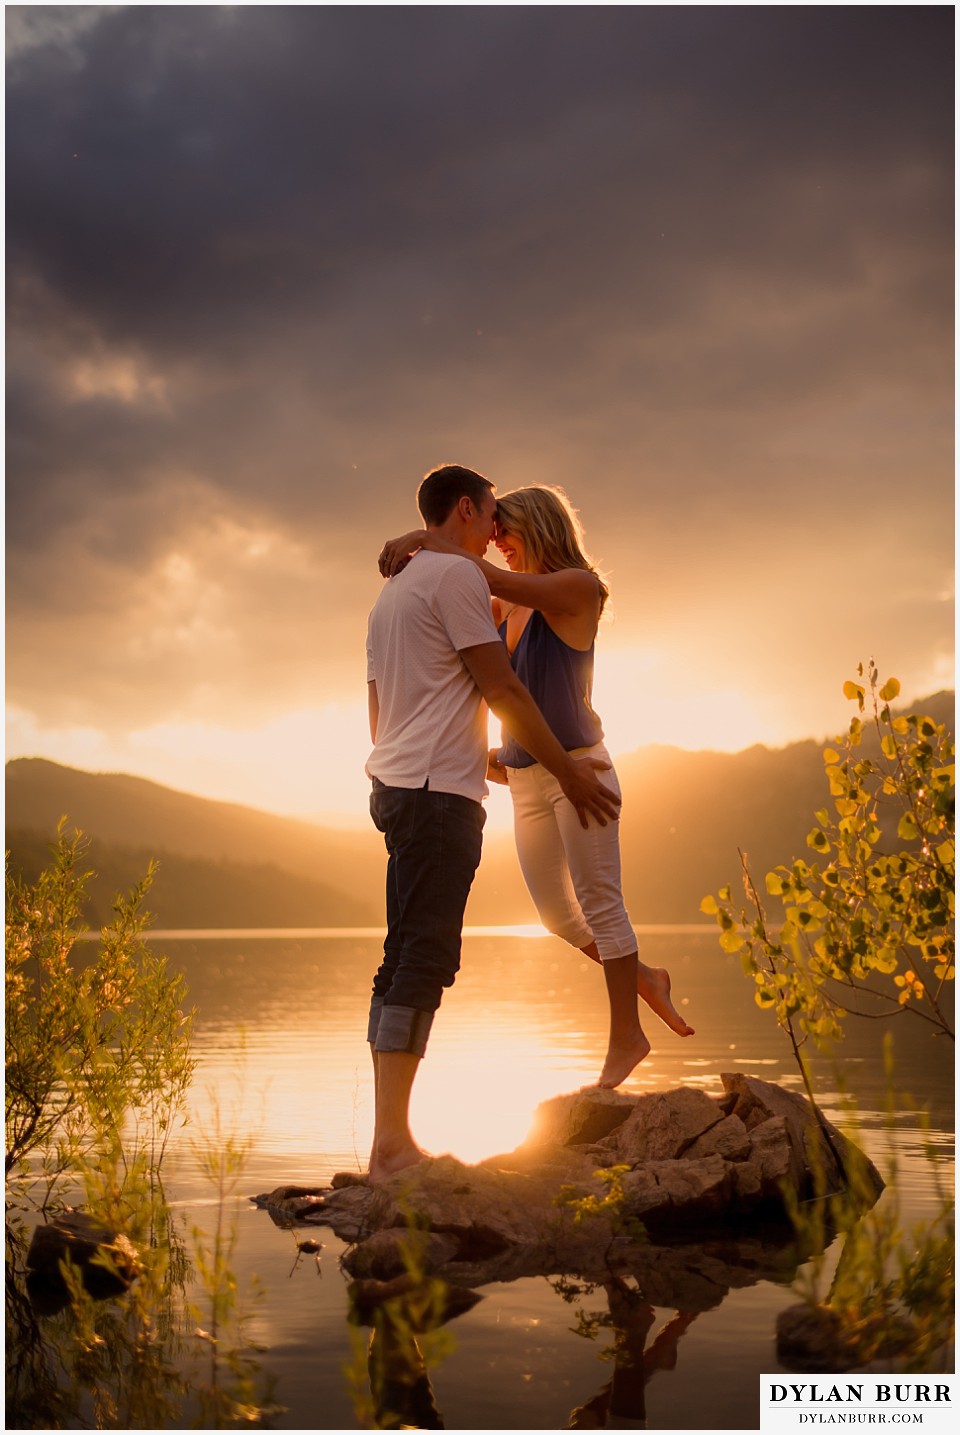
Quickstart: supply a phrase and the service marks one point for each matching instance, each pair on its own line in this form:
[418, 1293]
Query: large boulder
[823, 1159]
[487, 1209]
[691, 1167]
[579, 1118]
[664, 1126]
[391, 1253]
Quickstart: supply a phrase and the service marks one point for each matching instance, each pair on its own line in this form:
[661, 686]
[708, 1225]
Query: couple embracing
[451, 634]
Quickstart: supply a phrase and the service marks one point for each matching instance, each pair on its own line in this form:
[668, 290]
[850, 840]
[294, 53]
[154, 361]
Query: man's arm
[373, 709]
[564, 593]
[489, 666]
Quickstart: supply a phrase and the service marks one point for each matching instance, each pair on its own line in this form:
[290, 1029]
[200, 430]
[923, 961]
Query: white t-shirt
[433, 721]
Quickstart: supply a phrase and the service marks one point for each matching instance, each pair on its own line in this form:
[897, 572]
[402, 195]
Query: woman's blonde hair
[548, 523]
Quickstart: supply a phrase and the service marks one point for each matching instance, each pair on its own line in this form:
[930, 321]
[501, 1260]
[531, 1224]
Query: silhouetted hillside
[131, 813]
[684, 816]
[197, 892]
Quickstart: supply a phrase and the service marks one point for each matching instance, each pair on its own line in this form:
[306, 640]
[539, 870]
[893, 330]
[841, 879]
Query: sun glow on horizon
[308, 763]
[642, 701]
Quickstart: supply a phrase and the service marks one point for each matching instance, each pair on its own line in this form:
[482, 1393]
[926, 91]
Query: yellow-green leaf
[709, 906]
[830, 754]
[907, 828]
[890, 690]
[731, 941]
[774, 884]
[853, 692]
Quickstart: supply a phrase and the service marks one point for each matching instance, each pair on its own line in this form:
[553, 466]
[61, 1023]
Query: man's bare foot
[653, 984]
[340, 1179]
[385, 1164]
[622, 1059]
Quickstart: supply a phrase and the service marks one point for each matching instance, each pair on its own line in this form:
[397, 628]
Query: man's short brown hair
[443, 488]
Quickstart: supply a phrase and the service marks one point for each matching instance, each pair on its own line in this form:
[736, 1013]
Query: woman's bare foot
[653, 984]
[387, 1163]
[621, 1059]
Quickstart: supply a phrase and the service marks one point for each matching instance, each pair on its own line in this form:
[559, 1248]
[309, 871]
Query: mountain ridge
[685, 815]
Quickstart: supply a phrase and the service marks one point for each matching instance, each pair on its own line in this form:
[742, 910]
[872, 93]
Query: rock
[486, 1209]
[823, 1157]
[698, 1275]
[729, 1138]
[580, 1117]
[695, 1165]
[697, 1189]
[560, 1165]
[77, 1237]
[777, 1158]
[291, 1203]
[675, 1193]
[346, 1211]
[387, 1254]
[420, 1304]
[811, 1337]
[664, 1126]
[748, 1184]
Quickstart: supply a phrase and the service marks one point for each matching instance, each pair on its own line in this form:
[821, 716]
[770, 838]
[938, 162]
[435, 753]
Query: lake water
[282, 1057]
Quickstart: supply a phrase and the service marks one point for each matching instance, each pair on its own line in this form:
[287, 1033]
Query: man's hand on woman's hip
[583, 788]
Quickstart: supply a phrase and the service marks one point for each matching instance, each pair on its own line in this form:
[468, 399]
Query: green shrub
[97, 1046]
[867, 928]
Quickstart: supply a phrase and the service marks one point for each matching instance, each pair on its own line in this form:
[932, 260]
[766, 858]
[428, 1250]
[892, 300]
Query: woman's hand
[397, 552]
[496, 772]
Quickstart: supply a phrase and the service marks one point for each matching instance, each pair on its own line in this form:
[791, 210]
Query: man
[433, 658]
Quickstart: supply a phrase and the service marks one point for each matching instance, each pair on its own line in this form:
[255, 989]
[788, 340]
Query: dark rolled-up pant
[433, 842]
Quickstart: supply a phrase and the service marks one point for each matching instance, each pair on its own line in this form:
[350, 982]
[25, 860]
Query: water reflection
[525, 1020]
[77, 1357]
[622, 1398]
[502, 1043]
[405, 1316]
[616, 1307]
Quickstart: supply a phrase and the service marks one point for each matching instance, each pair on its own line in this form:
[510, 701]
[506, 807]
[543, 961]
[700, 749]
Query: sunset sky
[268, 265]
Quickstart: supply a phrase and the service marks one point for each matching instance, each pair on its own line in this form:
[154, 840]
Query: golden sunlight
[641, 700]
[499, 1077]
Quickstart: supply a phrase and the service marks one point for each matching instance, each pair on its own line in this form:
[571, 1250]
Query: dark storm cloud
[281, 259]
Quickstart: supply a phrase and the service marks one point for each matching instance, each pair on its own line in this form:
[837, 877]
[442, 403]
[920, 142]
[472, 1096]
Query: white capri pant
[571, 872]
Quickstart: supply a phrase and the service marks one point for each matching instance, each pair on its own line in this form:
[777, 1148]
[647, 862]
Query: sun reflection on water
[282, 1050]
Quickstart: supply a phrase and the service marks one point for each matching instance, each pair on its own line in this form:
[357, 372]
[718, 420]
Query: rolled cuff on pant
[402, 1028]
[373, 1021]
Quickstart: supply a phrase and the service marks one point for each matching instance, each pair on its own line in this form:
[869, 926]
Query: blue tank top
[560, 681]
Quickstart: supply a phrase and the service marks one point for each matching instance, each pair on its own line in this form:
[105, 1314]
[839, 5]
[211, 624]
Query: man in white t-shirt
[434, 659]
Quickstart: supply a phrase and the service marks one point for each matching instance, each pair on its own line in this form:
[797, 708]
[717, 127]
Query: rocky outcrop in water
[692, 1168]
[106, 1261]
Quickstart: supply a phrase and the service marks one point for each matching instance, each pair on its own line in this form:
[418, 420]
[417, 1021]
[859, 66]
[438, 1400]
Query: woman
[547, 607]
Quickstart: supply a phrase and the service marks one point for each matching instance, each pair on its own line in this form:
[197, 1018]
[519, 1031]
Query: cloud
[268, 264]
